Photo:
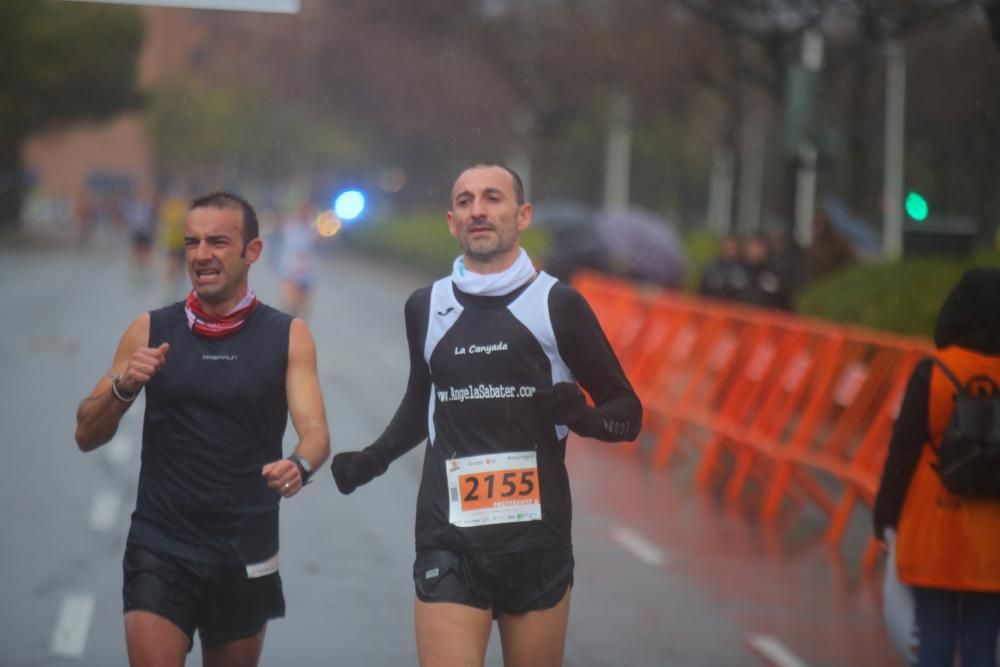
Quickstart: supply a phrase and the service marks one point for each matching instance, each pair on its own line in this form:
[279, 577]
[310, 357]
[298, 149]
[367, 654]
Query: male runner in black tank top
[495, 353]
[222, 373]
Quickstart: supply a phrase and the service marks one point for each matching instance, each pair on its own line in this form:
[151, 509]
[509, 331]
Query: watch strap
[305, 468]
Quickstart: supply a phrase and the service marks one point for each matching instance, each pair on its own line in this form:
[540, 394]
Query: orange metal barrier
[801, 407]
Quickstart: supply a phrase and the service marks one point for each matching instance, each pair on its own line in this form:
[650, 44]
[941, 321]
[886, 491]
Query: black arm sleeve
[909, 434]
[408, 427]
[587, 352]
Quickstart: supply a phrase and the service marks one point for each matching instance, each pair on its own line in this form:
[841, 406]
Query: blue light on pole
[349, 205]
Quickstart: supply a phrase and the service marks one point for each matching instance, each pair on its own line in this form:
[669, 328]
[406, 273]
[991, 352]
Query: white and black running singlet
[494, 477]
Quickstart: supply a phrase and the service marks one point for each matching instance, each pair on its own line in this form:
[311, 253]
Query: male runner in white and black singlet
[496, 350]
[222, 372]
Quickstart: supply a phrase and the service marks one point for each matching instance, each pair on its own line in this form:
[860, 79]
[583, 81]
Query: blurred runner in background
[297, 259]
[141, 223]
[171, 215]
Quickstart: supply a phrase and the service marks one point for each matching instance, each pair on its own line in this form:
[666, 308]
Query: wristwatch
[305, 468]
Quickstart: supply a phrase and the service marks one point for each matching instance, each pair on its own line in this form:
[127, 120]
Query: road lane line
[639, 546]
[70, 635]
[774, 651]
[104, 510]
[119, 450]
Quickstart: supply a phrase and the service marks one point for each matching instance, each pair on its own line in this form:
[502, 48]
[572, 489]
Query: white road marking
[774, 651]
[639, 546]
[119, 450]
[104, 510]
[70, 635]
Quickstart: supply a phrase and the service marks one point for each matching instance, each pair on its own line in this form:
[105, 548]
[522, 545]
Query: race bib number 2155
[493, 488]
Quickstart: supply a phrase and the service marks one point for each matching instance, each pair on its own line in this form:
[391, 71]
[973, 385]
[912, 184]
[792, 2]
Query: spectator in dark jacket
[765, 286]
[726, 276]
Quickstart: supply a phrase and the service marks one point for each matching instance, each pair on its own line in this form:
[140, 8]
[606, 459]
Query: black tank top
[215, 413]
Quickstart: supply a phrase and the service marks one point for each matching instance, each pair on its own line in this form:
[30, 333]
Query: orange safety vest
[946, 540]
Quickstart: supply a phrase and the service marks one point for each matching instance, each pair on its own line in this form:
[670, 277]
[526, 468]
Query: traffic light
[917, 207]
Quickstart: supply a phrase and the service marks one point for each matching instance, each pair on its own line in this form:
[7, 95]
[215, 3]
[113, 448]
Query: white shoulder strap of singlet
[443, 314]
[531, 308]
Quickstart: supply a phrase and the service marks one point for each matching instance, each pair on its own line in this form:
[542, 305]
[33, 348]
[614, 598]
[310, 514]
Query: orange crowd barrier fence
[781, 411]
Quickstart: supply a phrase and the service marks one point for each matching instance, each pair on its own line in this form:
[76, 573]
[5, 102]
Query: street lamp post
[619, 155]
[895, 109]
[805, 177]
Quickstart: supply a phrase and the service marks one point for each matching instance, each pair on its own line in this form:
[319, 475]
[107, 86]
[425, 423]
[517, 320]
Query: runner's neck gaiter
[213, 326]
[493, 284]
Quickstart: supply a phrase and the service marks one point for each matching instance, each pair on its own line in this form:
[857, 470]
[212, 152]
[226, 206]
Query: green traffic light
[916, 207]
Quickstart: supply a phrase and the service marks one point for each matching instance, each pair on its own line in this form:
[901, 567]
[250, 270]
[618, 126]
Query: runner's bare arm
[99, 414]
[305, 405]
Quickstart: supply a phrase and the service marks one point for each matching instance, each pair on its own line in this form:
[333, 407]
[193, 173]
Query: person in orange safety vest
[947, 545]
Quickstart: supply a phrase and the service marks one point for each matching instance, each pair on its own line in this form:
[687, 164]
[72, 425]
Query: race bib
[493, 488]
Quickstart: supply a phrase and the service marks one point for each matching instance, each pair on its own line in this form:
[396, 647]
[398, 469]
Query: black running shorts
[218, 601]
[513, 583]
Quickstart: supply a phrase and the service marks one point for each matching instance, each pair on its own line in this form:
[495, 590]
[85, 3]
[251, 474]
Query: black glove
[568, 405]
[352, 469]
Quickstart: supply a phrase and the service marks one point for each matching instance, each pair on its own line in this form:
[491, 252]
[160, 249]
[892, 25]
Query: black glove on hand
[568, 405]
[352, 469]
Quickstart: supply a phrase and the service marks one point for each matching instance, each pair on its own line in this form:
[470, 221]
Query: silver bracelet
[114, 390]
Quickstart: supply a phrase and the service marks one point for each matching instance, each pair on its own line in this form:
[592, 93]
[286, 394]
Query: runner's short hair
[251, 228]
[518, 183]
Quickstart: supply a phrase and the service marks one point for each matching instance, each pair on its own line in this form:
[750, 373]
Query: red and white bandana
[212, 326]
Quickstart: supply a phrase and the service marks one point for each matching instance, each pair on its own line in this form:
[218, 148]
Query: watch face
[304, 462]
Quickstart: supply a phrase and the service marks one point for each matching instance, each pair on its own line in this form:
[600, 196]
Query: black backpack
[969, 451]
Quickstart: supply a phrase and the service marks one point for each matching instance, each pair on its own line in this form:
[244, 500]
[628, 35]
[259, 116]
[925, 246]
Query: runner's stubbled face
[486, 219]
[217, 259]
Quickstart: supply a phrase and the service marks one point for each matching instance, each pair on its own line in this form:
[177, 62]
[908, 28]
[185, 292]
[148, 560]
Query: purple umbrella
[644, 245]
